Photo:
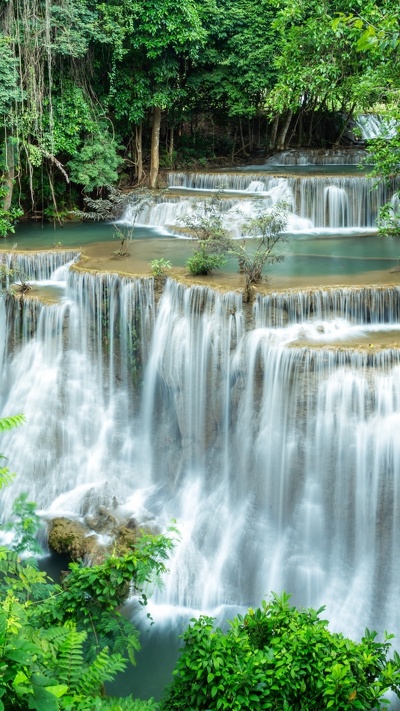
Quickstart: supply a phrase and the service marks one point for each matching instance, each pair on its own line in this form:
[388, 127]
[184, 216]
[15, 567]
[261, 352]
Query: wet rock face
[95, 538]
[71, 538]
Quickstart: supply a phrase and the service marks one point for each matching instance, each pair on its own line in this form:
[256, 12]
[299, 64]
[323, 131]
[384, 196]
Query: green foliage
[9, 89]
[236, 68]
[14, 280]
[214, 242]
[203, 262]
[112, 207]
[206, 226]
[389, 218]
[25, 526]
[7, 424]
[280, 657]
[59, 644]
[159, 267]
[266, 228]
[97, 162]
[8, 218]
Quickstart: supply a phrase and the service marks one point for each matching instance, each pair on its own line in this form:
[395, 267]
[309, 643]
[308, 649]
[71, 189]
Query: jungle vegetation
[95, 93]
[61, 643]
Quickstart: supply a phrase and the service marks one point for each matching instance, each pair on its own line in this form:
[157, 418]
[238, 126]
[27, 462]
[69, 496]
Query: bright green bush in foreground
[279, 657]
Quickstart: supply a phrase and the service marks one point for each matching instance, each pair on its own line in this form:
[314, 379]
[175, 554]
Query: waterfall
[340, 201]
[37, 266]
[375, 126]
[74, 369]
[336, 206]
[279, 460]
[317, 157]
[316, 202]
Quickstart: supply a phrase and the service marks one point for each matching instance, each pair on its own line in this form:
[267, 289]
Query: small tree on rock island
[112, 207]
[266, 227]
[213, 242]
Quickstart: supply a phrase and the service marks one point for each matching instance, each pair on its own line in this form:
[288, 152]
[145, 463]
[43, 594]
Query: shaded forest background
[96, 93]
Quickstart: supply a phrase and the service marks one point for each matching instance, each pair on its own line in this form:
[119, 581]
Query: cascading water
[375, 126]
[270, 435]
[315, 203]
[280, 461]
[317, 157]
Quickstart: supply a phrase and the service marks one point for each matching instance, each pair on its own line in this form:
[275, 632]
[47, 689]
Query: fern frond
[8, 423]
[69, 660]
[103, 668]
[6, 477]
[120, 635]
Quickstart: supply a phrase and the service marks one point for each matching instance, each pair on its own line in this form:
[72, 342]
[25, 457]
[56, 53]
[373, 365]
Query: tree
[206, 226]
[280, 657]
[235, 72]
[376, 30]
[266, 227]
[214, 243]
[320, 73]
[156, 40]
[112, 207]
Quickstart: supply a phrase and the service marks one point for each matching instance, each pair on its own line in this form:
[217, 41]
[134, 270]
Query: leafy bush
[8, 218]
[202, 262]
[280, 657]
[96, 164]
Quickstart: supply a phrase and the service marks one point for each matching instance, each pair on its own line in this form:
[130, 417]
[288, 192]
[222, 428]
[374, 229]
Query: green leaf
[58, 690]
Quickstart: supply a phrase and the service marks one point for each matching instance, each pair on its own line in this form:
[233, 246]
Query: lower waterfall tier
[279, 457]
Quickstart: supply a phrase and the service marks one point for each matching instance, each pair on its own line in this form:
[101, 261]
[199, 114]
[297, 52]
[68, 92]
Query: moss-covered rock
[71, 538]
[96, 536]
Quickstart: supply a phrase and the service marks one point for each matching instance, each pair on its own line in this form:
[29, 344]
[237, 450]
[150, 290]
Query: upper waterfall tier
[375, 126]
[318, 156]
[323, 202]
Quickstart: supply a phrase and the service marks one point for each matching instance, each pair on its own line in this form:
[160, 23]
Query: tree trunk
[171, 146]
[242, 139]
[345, 124]
[300, 134]
[282, 136]
[234, 145]
[139, 153]
[294, 129]
[155, 147]
[274, 131]
[9, 174]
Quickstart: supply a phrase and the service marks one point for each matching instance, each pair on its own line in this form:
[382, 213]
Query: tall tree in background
[236, 70]
[152, 43]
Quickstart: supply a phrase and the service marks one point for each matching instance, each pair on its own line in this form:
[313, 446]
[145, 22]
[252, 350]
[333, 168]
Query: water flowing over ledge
[280, 462]
[359, 305]
[38, 266]
[323, 202]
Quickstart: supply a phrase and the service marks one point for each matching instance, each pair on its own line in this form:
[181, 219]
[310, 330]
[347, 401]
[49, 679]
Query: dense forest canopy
[94, 92]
